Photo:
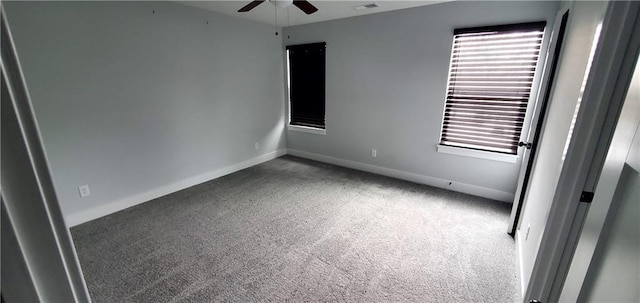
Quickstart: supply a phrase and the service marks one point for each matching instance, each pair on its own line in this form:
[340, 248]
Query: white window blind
[490, 80]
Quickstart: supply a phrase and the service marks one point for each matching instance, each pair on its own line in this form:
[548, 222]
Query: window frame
[318, 130]
[532, 99]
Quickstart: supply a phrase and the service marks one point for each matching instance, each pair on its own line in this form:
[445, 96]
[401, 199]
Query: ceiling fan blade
[250, 6]
[306, 7]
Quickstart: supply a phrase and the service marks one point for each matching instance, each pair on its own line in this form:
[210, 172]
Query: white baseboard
[109, 208]
[408, 176]
[520, 263]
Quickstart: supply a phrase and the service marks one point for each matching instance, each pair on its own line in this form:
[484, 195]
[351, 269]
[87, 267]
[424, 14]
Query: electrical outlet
[528, 230]
[374, 153]
[257, 145]
[84, 191]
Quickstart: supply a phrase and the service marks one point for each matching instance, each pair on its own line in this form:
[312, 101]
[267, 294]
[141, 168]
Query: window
[306, 66]
[490, 80]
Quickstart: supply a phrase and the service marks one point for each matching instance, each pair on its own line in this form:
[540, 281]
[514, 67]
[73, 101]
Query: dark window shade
[307, 84]
[490, 80]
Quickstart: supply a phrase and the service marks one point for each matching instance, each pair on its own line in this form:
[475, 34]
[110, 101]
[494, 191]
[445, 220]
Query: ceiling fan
[305, 6]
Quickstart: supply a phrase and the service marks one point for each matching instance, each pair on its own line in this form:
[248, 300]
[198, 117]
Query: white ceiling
[327, 10]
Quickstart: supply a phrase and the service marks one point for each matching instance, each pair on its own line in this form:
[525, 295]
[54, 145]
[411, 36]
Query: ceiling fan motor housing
[281, 3]
[303, 5]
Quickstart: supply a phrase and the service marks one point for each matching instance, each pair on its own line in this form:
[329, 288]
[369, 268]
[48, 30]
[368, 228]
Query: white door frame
[602, 212]
[50, 266]
[606, 88]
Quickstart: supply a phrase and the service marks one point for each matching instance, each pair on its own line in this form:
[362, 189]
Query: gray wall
[386, 82]
[129, 101]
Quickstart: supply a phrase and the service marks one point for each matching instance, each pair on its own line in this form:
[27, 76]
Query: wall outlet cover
[84, 191]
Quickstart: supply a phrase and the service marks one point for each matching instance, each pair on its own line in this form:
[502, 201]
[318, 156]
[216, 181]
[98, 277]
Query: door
[530, 144]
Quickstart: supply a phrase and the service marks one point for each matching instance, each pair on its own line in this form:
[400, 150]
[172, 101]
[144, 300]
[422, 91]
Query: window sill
[306, 129]
[476, 153]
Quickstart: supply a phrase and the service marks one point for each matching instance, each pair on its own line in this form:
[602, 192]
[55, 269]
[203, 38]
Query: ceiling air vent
[366, 6]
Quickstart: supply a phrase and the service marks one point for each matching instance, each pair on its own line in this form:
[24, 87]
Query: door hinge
[586, 197]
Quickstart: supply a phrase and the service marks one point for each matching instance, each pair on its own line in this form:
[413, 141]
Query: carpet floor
[298, 231]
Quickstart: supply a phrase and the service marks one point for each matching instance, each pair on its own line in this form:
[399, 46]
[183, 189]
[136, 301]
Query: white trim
[288, 83]
[520, 262]
[62, 248]
[593, 230]
[109, 208]
[408, 176]
[306, 129]
[460, 151]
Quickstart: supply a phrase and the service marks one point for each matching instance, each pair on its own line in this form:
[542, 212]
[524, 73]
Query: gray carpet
[298, 231]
